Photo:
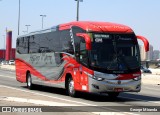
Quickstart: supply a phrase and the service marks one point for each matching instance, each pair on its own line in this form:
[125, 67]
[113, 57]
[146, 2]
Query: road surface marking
[48, 96]
[39, 102]
[7, 77]
[70, 100]
[43, 102]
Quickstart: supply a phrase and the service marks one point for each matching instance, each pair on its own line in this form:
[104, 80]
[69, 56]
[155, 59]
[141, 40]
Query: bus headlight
[137, 78]
[94, 77]
[98, 78]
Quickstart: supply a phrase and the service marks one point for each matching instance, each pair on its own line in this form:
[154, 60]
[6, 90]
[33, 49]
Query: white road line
[7, 76]
[57, 103]
[33, 101]
[49, 103]
[49, 96]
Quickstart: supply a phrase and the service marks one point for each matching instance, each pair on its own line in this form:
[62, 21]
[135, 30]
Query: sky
[143, 16]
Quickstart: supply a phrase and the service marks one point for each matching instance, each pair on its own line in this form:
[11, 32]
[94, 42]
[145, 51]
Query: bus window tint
[34, 44]
[65, 40]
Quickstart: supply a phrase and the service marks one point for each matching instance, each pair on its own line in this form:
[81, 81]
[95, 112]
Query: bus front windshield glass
[114, 52]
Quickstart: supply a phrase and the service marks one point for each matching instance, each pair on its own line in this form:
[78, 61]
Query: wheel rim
[71, 86]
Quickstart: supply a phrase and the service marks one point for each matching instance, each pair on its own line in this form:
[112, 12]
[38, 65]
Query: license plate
[118, 89]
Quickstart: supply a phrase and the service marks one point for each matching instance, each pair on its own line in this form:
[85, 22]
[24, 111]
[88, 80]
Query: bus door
[82, 58]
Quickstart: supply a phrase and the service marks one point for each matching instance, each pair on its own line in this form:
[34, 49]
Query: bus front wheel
[70, 87]
[29, 81]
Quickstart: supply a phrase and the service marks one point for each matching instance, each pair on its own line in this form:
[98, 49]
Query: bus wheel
[70, 88]
[113, 94]
[29, 81]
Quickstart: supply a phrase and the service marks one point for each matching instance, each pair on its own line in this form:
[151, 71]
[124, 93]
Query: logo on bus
[99, 40]
[119, 82]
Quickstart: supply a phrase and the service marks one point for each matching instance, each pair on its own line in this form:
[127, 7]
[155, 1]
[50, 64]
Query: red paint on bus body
[87, 39]
[97, 26]
[145, 41]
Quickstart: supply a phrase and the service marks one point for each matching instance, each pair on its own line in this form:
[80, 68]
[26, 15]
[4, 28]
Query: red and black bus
[98, 57]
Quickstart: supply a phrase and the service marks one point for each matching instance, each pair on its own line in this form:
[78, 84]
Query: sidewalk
[151, 79]
[8, 67]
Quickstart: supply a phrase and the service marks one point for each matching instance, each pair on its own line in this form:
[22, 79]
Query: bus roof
[97, 26]
[54, 28]
[87, 26]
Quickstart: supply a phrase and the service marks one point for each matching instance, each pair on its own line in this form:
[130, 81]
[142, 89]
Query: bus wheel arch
[69, 85]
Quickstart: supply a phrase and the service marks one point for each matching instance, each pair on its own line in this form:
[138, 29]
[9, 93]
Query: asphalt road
[149, 95]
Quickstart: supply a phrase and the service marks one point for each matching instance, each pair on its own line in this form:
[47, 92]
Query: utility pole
[19, 17]
[27, 27]
[42, 19]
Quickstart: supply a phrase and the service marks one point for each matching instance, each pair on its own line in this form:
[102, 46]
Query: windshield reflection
[115, 53]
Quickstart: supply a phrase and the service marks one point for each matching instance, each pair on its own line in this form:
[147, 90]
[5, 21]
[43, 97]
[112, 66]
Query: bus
[83, 56]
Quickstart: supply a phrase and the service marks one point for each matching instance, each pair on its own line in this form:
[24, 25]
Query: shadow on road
[123, 97]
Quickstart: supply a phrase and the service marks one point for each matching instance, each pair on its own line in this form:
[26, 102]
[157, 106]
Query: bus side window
[65, 41]
[17, 45]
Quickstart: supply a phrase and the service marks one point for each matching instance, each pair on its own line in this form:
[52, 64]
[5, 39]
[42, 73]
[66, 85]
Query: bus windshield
[114, 52]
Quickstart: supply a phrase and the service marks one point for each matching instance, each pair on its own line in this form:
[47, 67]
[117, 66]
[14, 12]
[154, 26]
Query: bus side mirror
[87, 40]
[145, 41]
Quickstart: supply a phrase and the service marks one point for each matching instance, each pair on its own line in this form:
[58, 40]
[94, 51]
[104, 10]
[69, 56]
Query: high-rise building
[143, 53]
[146, 55]
[150, 53]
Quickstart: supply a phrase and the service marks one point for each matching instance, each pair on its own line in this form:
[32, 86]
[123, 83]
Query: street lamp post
[19, 17]
[78, 8]
[27, 27]
[42, 19]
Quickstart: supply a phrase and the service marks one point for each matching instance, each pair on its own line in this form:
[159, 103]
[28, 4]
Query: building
[156, 55]
[143, 53]
[150, 53]
[146, 55]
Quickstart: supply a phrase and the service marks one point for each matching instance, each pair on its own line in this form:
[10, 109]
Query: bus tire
[70, 87]
[113, 95]
[29, 81]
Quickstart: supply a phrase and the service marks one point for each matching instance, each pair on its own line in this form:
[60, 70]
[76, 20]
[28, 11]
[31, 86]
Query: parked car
[11, 62]
[145, 70]
[4, 63]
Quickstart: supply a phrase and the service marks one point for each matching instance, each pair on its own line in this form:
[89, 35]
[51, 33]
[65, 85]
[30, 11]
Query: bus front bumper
[105, 86]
